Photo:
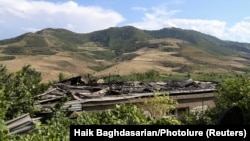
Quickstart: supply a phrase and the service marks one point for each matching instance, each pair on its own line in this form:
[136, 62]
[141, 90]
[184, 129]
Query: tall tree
[20, 90]
[3, 102]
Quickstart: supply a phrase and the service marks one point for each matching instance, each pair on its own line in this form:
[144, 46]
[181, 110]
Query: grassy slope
[95, 53]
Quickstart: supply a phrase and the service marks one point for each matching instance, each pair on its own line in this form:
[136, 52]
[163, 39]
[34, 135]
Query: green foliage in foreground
[16, 94]
[17, 91]
[234, 92]
[58, 127]
[231, 92]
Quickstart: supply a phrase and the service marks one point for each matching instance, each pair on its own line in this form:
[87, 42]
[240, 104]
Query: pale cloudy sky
[224, 19]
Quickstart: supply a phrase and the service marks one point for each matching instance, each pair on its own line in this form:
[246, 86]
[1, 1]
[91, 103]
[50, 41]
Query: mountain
[122, 50]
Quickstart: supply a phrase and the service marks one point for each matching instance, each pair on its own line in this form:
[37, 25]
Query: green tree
[207, 117]
[121, 115]
[160, 105]
[3, 101]
[234, 92]
[3, 131]
[20, 91]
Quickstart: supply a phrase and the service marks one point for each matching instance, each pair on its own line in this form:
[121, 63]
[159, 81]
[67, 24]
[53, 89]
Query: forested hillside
[123, 50]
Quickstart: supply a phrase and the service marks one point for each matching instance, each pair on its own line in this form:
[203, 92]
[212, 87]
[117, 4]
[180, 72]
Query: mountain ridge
[124, 49]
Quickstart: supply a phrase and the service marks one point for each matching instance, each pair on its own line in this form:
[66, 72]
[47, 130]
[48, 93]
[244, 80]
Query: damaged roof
[81, 92]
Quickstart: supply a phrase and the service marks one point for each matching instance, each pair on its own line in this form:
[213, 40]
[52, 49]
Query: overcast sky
[224, 19]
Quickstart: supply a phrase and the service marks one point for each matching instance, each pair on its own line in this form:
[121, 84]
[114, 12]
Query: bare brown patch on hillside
[50, 66]
[199, 55]
[148, 59]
